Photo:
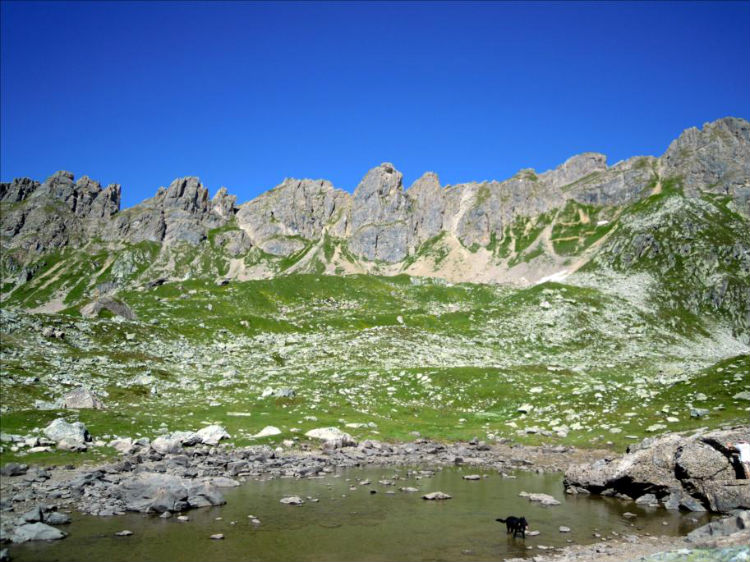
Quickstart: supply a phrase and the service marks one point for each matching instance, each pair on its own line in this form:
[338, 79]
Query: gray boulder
[35, 532]
[696, 472]
[81, 398]
[56, 518]
[166, 445]
[60, 430]
[151, 492]
[721, 527]
[14, 469]
[212, 434]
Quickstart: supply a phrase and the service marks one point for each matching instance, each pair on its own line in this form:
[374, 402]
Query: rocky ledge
[698, 472]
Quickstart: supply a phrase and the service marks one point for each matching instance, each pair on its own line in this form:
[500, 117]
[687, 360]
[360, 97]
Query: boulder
[152, 492]
[268, 431]
[432, 496]
[14, 469]
[544, 499]
[721, 527]
[81, 398]
[695, 472]
[212, 434]
[332, 436]
[60, 430]
[166, 445]
[292, 500]
[35, 532]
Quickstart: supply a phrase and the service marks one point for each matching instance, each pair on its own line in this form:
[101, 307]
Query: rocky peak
[17, 190]
[381, 181]
[379, 225]
[428, 206]
[295, 208]
[91, 201]
[429, 182]
[575, 168]
[223, 204]
[715, 158]
[187, 194]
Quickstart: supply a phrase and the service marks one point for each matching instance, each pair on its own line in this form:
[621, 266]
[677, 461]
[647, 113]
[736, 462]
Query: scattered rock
[14, 469]
[292, 500]
[212, 434]
[82, 398]
[268, 431]
[544, 499]
[333, 436]
[437, 496]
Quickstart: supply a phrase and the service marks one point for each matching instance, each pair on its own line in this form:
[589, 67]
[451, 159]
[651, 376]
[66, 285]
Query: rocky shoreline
[167, 478]
[152, 477]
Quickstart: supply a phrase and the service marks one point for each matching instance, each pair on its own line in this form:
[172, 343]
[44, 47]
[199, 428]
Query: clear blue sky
[245, 94]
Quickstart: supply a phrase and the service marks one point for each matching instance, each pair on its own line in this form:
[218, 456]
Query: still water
[353, 524]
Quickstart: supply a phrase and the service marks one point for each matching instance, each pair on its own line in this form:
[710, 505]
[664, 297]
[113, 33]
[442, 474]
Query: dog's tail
[501, 520]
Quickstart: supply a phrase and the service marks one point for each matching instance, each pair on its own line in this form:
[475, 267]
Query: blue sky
[245, 94]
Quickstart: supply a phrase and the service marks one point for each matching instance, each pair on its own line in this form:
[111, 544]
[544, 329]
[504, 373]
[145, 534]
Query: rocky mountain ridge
[381, 221]
[682, 217]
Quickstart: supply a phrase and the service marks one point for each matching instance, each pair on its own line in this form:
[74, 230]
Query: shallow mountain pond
[354, 524]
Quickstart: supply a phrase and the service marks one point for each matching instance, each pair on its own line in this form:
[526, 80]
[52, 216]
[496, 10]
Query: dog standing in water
[515, 525]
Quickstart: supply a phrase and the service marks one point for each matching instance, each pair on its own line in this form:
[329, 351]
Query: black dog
[515, 525]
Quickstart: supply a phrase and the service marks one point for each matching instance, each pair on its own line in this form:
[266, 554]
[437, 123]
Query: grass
[448, 361]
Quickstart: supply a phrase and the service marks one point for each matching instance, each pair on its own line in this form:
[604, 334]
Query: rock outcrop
[697, 472]
[713, 159]
[296, 210]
